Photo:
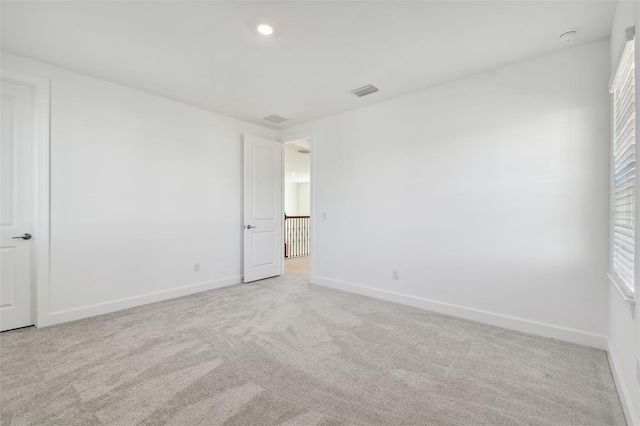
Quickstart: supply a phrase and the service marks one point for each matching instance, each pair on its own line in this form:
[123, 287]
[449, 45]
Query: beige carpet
[281, 351]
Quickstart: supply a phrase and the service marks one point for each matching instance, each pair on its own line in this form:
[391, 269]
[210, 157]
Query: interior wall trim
[486, 317]
[60, 317]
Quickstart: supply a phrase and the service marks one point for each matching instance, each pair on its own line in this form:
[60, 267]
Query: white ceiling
[297, 166]
[208, 54]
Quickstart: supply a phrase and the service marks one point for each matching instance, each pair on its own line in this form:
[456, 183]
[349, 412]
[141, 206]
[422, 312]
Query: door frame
[40, 251]
[312, 235]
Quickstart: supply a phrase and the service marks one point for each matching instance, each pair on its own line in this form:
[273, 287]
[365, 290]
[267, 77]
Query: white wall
[304, 199]
[297, 199]
[291, 198]
[296, 164]
[488, 194]
[623, 330]
[141, 189]
[623, 349]
[297, 171]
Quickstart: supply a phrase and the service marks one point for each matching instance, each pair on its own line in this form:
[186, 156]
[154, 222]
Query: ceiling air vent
[365, 90]
[275, 118]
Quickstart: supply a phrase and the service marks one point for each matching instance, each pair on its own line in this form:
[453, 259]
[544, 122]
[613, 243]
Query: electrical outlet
[324, 215]
[196, 267]
[395, 274]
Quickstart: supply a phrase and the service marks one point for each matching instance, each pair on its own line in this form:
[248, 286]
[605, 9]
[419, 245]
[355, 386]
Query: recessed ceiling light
[568, 36]
[265, 29]
[293, 174]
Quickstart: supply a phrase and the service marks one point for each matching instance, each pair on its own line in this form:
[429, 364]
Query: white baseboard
[623, 393]
[59, 317]
[486, 317]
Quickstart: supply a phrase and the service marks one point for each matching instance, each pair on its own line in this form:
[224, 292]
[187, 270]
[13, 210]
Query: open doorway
[297, 207]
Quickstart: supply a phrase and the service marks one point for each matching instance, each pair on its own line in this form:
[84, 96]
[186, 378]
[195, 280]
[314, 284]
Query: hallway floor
[282, 351]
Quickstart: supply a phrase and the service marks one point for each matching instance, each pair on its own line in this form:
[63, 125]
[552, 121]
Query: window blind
[624, 166]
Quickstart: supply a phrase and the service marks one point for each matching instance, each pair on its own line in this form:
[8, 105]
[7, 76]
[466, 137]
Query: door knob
[26, 236]
[250, 227]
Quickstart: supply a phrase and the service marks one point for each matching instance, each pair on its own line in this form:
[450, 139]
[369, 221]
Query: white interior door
[263, 239]
[17, 190]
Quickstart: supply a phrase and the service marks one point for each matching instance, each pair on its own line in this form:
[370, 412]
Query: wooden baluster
[297, 235]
